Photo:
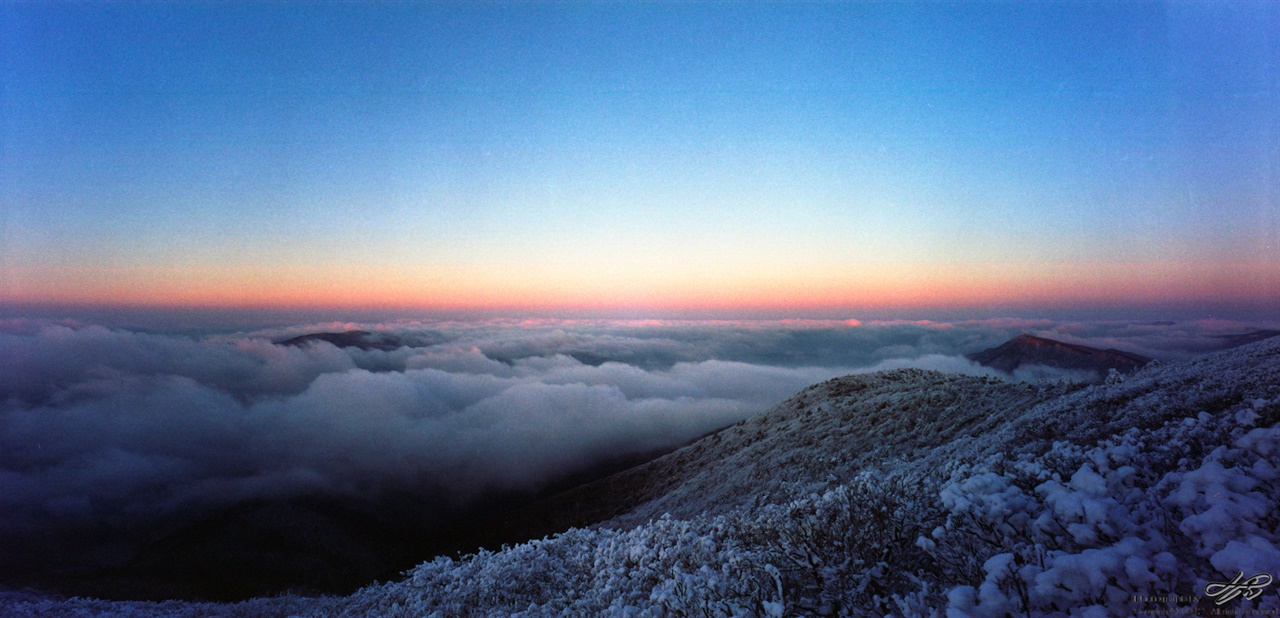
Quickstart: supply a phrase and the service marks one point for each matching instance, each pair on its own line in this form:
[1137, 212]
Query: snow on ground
[907, 493]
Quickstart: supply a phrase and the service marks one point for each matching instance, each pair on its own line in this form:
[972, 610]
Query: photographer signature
[1221, 592]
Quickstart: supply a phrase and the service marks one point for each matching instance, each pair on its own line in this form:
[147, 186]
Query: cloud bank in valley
[111, 437]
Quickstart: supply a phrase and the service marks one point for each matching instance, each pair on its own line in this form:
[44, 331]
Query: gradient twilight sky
[640, 156]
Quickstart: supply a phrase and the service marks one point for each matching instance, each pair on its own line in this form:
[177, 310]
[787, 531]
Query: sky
[640, 158]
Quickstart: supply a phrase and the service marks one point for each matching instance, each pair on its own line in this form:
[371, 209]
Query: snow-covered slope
[907, 493]
[829, 430]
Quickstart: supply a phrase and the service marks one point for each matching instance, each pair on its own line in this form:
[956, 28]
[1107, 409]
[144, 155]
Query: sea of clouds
[112, 437]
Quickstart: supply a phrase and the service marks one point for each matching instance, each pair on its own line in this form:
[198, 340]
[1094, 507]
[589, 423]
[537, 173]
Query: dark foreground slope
[310, 545]
[903, 493]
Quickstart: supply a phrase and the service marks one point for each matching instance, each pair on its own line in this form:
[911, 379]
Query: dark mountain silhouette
[1031, 350]
[1232, 341]
[362, 339]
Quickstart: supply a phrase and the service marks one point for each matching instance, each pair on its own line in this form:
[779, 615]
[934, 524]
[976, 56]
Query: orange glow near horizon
[879, 286]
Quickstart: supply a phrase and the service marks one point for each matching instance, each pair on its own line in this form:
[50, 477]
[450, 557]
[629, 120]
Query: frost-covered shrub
[697, 567]
[667, 567]
[1144, 515]
[849, 549]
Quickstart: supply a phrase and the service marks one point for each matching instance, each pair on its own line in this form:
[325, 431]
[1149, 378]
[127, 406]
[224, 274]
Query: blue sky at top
[546, 154]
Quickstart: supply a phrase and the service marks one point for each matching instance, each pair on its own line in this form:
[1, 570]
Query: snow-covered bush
[849, 549]
[1142, 516]
[668, 567]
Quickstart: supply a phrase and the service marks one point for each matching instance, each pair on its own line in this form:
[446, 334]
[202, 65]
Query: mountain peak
[361, 339]
[1028, 349]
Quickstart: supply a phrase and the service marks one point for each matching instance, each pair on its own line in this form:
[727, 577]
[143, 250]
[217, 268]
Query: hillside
[832, 429]
[906, 493]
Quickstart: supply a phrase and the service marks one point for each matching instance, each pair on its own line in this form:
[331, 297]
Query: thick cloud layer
[111, 437]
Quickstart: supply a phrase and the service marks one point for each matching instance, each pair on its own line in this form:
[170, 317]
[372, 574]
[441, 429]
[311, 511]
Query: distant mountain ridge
[1028, 349]
[1236, 340]
[361, 339]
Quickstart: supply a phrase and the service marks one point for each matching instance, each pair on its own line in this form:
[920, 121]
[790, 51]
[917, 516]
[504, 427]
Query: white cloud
[114, 435]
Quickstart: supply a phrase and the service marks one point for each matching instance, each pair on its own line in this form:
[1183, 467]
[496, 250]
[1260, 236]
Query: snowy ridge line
[904, 493]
